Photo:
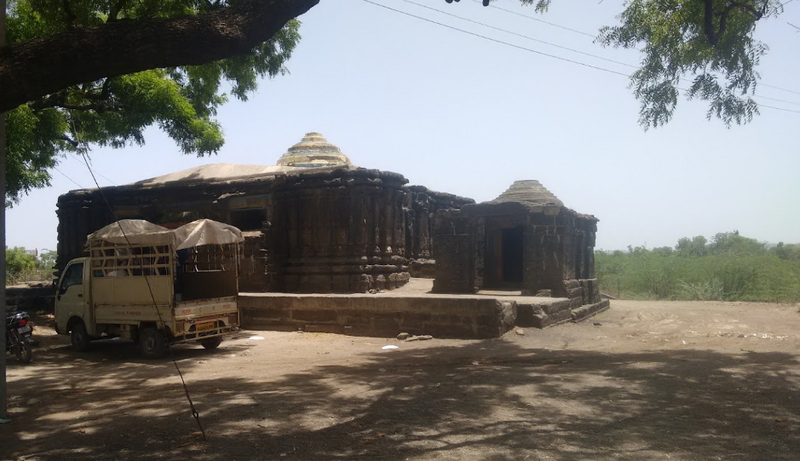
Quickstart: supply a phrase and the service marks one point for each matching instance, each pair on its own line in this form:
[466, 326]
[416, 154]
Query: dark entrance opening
[512, 256]
[247, 220]
[504, 259]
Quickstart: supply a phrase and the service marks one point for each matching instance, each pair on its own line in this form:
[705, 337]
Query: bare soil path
[642, 381]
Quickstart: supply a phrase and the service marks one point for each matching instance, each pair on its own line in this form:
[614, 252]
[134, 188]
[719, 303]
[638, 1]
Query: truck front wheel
[152, 342]
[80, 337]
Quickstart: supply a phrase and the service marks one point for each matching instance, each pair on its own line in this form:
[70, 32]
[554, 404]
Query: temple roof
[530, 193]
[217, 172]
[313, 151]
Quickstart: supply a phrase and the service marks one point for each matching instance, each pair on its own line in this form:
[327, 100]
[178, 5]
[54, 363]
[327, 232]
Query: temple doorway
[504, 259]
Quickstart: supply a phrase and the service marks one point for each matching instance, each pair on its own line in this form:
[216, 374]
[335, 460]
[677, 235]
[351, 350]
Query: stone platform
[411, 309]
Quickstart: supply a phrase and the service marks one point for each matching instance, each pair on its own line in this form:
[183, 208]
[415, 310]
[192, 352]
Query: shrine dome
[313, 151]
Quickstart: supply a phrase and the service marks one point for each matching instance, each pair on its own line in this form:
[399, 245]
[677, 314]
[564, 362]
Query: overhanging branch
[33, 69]
[714, 33]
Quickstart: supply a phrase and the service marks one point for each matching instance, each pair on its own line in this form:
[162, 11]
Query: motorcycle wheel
[22, 349]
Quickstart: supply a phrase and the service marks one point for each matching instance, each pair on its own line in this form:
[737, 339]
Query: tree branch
[33, 69]
[115, 9]
[70, 140]
[69, 16]
[708, 17]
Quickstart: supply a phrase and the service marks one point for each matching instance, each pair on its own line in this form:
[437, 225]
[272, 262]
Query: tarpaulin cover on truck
[140, 232]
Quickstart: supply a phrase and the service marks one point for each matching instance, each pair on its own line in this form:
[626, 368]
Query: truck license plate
[206, 326]
[25, 329]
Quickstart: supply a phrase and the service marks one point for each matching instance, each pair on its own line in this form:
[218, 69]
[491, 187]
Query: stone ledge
[471, 318]
[589, 310]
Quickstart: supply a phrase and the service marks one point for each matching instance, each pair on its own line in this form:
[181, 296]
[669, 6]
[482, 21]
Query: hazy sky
[462, 114]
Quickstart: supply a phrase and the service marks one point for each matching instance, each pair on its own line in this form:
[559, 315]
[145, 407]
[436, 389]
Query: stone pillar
[455, 249]
[342, 231]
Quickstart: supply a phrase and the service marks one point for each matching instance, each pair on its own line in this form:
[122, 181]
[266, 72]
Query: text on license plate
[25, 329]
[206, 326]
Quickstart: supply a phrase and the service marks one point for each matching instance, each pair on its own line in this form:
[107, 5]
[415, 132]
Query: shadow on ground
[490, 400]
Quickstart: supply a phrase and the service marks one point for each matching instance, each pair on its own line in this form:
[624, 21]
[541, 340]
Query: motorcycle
[18, 336]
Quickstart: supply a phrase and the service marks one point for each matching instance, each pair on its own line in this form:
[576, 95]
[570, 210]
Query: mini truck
[152, 285]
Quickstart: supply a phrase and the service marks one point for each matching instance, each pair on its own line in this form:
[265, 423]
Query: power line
[533, 18]
[195, 413]
[527, 37]
[64, 175]
[97, 172]
[780, 108]
[561, 58]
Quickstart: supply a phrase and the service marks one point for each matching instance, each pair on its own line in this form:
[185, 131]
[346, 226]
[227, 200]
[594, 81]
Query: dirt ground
[642, 381]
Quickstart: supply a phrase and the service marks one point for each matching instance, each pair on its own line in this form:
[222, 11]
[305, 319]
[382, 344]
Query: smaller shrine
[525, 240]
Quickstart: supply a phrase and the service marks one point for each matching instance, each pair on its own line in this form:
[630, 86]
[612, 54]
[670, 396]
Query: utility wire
[561, 58]
[96, 172]
[64, 175]
[580, 32]
[527, 37]
[195, 414]
[533, 18]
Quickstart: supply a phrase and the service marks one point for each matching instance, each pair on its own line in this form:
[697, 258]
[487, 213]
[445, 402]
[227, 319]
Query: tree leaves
[711, 40]
[116, 111]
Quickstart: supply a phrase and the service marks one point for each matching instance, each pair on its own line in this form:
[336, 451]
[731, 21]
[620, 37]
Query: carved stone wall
[339, 232]
[82, 212]
[317, 230]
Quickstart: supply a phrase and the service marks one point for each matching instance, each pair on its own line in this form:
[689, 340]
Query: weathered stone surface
[327, 229]
[524, 240]
[589, 310]
[380, 316]
[33, 296]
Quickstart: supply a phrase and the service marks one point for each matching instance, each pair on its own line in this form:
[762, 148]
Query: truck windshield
[73, 276]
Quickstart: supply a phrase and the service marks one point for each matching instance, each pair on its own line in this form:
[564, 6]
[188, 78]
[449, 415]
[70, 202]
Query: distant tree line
[22, 266]
[728, 267]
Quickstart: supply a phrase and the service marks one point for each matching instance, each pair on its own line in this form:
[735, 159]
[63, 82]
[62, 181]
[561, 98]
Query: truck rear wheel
[80, 337]
[211, 343]
[152, 342]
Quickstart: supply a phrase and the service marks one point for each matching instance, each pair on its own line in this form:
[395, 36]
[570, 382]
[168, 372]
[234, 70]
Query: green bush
[728, 267]
[23, 267]
[18, 261]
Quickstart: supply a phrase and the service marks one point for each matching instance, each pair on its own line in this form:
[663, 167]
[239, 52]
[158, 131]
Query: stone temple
[315, 223]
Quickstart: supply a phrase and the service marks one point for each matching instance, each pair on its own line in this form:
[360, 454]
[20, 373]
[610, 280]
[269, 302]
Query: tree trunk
[33, 69]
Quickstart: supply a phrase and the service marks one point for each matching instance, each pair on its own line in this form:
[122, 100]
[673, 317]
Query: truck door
[71, 297]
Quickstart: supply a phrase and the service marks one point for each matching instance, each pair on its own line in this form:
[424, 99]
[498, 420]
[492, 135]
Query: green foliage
[682, 39]
[47, 259]
[730, 267]
[711, 41]
[790, 252]
[115, 111]
[17, 260]
[24, 267]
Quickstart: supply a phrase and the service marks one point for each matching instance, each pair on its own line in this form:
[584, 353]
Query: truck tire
[152, 342]
[80, 337]
[211, 343]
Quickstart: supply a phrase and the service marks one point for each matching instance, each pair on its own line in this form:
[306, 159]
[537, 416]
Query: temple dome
[530, 193]
[313, 151]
